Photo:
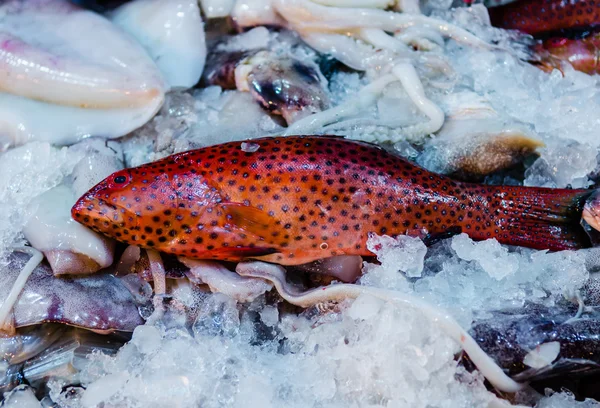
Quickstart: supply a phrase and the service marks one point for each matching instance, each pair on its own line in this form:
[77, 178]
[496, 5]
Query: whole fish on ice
[293, 200]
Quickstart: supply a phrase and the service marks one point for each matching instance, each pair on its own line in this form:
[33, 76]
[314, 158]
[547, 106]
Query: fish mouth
[88, 205]
[99, 216]
[95, 213]
[86, 210]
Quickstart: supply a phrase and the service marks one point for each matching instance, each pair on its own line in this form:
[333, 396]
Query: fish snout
[94, 212]
[85, 210]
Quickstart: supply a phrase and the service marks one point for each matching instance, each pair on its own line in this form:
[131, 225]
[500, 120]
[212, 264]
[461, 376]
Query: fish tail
[544, 218]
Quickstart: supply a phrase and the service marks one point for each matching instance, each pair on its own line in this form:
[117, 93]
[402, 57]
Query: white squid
[60, 86]
[70, 247]
[367, 36]
[172, 32]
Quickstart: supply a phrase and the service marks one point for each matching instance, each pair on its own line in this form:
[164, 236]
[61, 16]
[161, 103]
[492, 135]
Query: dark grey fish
[510, 335]
[101, 302]
[61, 359]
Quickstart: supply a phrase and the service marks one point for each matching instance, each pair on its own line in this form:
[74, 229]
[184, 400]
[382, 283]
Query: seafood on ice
[298, 203]
[318, 197]
[567, 31]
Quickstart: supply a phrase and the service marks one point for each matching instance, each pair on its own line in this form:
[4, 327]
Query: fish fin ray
[248, 218]
[546, 219]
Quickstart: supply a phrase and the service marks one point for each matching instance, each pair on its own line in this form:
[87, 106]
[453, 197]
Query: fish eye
[120, 179]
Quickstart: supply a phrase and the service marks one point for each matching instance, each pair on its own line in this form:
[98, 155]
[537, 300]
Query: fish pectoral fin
[249, 218]
[254, 221]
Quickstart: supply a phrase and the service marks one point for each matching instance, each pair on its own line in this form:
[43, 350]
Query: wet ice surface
[363, 356]
[361, 353]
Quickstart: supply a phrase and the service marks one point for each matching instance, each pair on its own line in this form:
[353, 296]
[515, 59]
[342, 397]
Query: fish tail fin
[544, 218]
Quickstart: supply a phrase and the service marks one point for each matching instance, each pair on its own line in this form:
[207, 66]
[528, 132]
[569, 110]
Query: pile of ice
[367, 353]
[354, 359]
[477, 277]
[361, 353]
[561, 109]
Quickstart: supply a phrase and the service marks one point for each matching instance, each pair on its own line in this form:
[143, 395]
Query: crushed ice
[365, 353]
[362, 356]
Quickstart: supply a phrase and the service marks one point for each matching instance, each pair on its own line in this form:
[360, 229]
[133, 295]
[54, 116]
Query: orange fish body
[293, 200]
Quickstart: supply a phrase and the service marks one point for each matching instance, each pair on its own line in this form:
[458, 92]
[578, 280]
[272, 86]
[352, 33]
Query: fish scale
[299, 199]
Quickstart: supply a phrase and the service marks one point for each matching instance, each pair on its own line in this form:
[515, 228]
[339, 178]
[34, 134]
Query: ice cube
[565, 400]
[562, 165]
[493, 257]
[404, 253]
[218, 315]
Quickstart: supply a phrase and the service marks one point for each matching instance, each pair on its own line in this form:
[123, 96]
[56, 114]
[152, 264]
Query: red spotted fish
[538, 16]
[582, 53]
[293, 200]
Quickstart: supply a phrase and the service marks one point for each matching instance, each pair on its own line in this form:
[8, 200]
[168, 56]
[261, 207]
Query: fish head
[162, 205]
[591, 210]
[118, 205]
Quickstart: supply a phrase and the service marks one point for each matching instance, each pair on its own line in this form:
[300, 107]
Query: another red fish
[293, 200]
[539, 16]
[582, 53]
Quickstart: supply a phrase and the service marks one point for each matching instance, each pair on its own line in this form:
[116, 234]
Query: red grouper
[293, 200]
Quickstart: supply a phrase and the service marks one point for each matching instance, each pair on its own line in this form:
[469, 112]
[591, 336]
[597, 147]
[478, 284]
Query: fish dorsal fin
[249, 218]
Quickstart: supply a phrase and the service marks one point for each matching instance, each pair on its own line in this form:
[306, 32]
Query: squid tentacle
[7, 306]
[403, 72]
[305, 15]
[484, 363]
[157, 269]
